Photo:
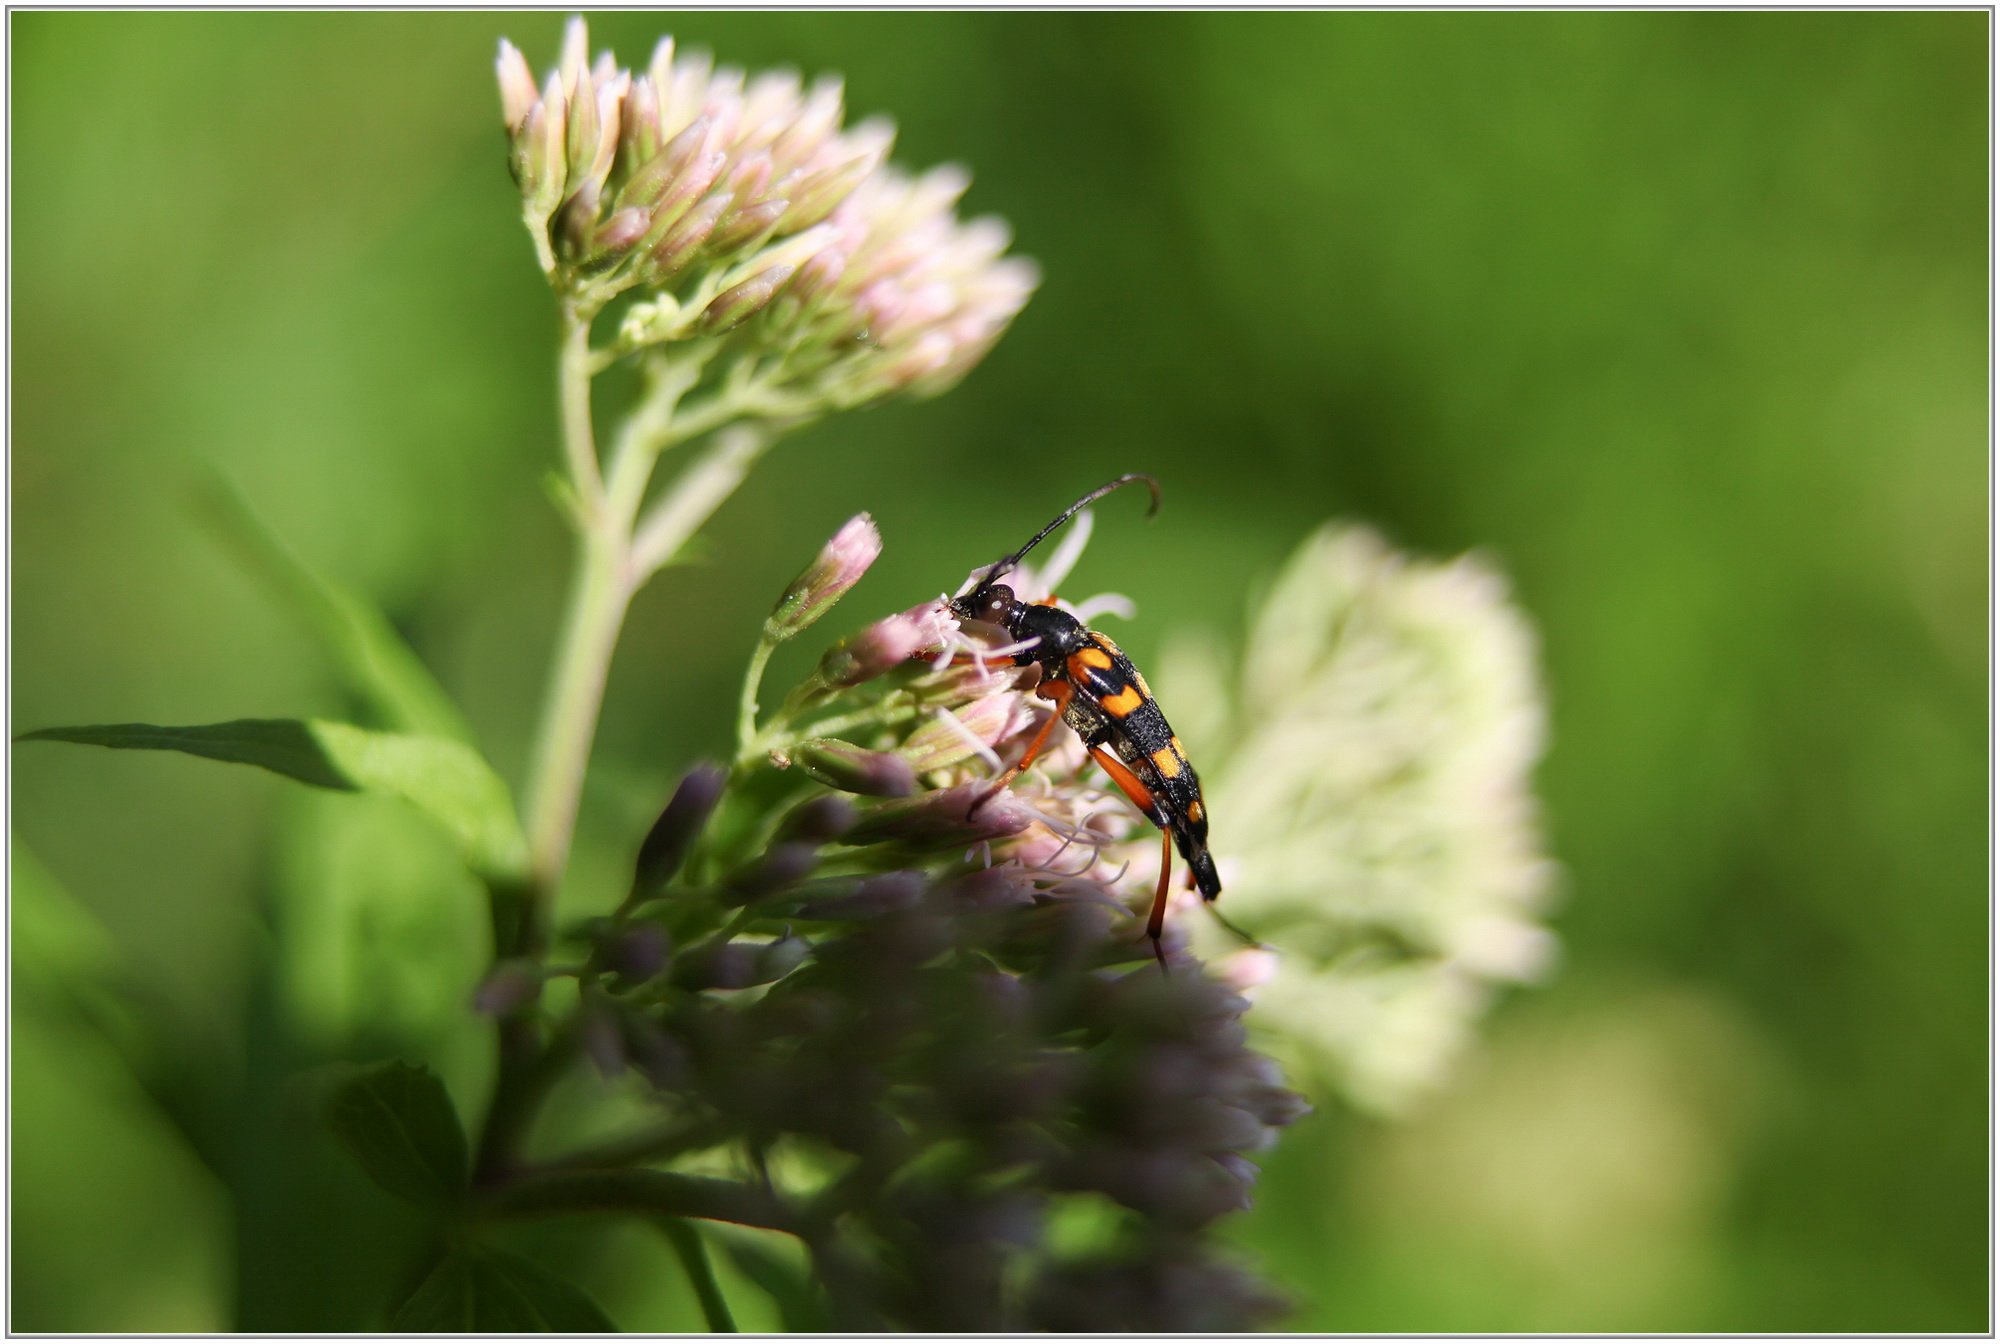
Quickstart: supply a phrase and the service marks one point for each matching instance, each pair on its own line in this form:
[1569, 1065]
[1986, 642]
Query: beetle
[1104, 700]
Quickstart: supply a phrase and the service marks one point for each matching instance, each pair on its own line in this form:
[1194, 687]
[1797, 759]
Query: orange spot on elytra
[1123, 703]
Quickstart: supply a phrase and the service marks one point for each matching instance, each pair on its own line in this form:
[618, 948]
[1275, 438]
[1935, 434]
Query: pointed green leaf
[475, 1289]
[398, 1122]
[785, 1280]
[447, 781]
[372, 657]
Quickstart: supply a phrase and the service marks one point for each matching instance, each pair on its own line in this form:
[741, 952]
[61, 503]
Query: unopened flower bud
[843, 765]
[665, 168]
[837, 568]
[748, 227]
[953, 735]
[601, 1036]
[819, 195]
[666, 846]
[780, 958]
[686, 237]
[881, 894]
[518, 94]
[818, 276]
[636, 952]
[884, 646]
[624, 228]
[659, 1058]
[962, 814]
[718, 966]
[507, 986]
[778, 870]
[818, 820]
[734, 307]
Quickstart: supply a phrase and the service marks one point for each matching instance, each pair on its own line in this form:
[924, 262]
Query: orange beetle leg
[1157, 921]
[1142, 798]
[1057, 691]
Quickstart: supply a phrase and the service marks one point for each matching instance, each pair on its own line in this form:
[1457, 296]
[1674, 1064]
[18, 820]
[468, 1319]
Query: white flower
[1372, 807]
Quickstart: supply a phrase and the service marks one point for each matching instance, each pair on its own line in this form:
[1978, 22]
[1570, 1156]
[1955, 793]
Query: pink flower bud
[674, 251]
[963, 814]
[518, 94]
[748, 227]
[884, 646]
[838, 567]
[842, 765]
[943, 742]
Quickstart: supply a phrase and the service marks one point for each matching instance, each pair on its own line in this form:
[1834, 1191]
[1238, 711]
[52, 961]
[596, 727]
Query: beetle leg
[1055, 690]
[1128, 783]
[1157, 921]
[1142, 798]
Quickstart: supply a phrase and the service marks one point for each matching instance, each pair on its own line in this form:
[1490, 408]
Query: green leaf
[447, 781]
[784, 1280]
[371, 655]
[398, 1122]
[685, 1238]
[475, 1289]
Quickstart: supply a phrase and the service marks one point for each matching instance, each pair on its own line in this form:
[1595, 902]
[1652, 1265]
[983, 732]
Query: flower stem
[697, 493]
[651, 1192]
[597, 608]
[574, 370]
[753, 677]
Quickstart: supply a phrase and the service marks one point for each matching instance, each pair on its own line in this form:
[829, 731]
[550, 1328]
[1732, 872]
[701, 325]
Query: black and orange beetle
[1102, 697]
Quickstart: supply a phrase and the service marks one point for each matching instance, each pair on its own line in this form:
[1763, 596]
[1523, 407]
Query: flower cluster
[734, 203]
[1381, 827]
[932, 1013]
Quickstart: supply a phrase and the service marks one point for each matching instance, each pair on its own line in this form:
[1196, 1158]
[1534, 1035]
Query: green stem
[685, 1238]
[551, 1193]
[697, 493]
[574, 369]
[596, 612]
[753, 677]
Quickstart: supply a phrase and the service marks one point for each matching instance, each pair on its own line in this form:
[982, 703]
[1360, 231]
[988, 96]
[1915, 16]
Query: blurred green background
[1681, 316]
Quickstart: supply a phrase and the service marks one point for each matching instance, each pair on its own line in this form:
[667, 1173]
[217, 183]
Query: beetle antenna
[1006, 563]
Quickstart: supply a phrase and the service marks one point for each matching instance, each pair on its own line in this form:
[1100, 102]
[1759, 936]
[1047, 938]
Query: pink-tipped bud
[969, 731]
[639, 126]
[667, 168]
[619, 232]
[817, 820]
[681, 242]
[733, 307]
[724, 966]
[842, 765]
[882, 894]
[748, 227]
[819, 275]
[507, 986]
[961, 815]
[837, 568]
[680, 824]
[518, 94]
[821, 194]
[575, 59]
[884, 646]
[636, 953]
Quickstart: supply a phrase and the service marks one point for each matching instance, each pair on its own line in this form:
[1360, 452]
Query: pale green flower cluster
[1369, 773]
